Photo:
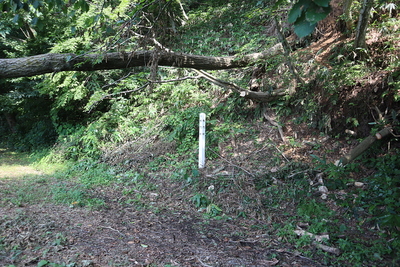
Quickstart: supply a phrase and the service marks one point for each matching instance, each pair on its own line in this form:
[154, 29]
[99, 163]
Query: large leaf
[294, 13]
[315, 13]
[297, 10]
[303, 27]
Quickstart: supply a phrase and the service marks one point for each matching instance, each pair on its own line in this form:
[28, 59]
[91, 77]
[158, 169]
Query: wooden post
[202, 141]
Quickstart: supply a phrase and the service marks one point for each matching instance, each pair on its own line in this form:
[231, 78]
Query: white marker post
[202, 141]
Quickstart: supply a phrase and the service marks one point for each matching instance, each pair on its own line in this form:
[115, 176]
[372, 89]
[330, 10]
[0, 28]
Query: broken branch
[364, 145]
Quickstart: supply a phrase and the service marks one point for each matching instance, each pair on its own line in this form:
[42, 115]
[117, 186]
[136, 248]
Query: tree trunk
[362, 24]
[51, 63]
[12, 122]
[348, 18]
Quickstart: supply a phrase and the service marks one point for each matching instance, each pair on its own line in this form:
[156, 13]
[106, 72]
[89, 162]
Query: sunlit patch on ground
[14, 165]
[15, 171]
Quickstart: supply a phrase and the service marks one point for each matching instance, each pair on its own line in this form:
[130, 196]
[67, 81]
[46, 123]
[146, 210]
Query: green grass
[17, 165]
[40, 189]
[24, 181]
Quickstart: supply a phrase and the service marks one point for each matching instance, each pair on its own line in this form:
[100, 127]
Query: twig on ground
[326, 248]
[202, 263]
[108, 227]
[283, 155]
[299, 172]
[237, 166]
[319, 238]
[274, 123]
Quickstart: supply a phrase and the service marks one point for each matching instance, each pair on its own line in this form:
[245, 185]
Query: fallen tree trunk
[49, 63]
[364, 145]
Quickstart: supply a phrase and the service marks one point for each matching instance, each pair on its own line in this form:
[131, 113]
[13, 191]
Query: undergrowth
[85, 121]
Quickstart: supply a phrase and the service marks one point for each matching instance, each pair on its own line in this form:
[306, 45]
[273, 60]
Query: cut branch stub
[364, 145]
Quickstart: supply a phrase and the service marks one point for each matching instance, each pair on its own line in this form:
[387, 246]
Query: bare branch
[178, 79]
[256, 96]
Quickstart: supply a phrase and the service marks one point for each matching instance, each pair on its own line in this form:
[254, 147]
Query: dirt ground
[127, 237]
[169, 232]
[173, 232]
[164, 228]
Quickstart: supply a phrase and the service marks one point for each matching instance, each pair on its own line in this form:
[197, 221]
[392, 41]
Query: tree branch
[256, 96]
[364, 145]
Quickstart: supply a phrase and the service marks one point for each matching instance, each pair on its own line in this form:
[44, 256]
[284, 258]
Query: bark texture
[49, 63]
[348, 16]
[362, 24]
[364, 145]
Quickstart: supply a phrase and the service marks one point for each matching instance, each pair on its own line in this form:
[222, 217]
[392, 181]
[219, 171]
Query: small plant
[303, 241]
[360, 254]
[286, 232]
[382, 201]
[309, 209]
[75, 196]
[183, 128]
[335, 175]
[91, 173]
[45, 263]
[200, 201]
[213, 210]
[60, 240]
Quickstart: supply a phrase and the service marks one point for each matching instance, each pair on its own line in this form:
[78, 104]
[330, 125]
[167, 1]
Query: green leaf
[323, 3]
[315, 14]
[278, 3]
[84, 6]
[36, 4]
[297, 10]
[392, 220]
[16, 18]
[42, 263]
[302, 27]
[34, 20]
[24, 6]
[294, 13]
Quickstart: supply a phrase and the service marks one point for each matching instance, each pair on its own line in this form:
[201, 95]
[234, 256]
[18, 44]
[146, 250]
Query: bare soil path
[169, 233]
[127, 237]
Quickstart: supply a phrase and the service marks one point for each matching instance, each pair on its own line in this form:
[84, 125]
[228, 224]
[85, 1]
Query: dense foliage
[81, 116]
